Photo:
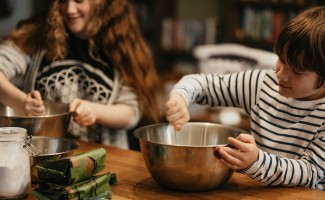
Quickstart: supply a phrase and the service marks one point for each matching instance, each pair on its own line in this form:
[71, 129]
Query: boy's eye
[298, 71]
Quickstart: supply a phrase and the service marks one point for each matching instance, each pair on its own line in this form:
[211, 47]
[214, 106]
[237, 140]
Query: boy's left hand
[242, 156]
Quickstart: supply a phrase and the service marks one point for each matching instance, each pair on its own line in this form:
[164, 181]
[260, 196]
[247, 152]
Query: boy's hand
[176, 111]
[34, 105]
[243, 156]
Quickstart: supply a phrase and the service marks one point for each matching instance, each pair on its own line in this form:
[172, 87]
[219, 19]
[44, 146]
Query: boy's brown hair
[301, 44]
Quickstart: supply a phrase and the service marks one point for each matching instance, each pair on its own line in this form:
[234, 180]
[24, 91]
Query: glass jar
[14, 163]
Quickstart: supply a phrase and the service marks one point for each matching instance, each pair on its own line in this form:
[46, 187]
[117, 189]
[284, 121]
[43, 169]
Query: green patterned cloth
[73, 169]
[93, 188]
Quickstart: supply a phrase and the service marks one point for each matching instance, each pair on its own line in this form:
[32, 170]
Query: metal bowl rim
[76, 145]
[37, 117]
[135, 133]
[53, 103]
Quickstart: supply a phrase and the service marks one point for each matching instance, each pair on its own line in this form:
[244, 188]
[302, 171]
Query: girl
[89, 53]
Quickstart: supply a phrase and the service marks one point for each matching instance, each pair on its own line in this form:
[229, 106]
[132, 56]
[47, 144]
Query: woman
[89, 53]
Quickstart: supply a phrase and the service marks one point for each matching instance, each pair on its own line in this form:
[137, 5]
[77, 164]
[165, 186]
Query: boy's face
[298, 85]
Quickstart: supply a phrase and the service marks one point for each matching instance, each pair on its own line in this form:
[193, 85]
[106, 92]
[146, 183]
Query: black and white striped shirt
[290, 134]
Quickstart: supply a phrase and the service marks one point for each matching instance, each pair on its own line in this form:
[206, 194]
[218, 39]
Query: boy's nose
[282, 74]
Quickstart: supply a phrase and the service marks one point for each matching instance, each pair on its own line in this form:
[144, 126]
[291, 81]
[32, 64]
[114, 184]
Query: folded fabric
[69, 170]
[93, 188]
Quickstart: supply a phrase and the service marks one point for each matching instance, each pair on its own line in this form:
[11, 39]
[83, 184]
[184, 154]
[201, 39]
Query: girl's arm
[123, 113]
[13, 64]
[11, 96]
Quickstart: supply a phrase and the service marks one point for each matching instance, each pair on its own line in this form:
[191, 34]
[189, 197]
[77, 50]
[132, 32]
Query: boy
[286, 107]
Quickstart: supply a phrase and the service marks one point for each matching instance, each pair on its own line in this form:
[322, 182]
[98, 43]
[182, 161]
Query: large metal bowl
[51, 149]
[185, 160]
[53, 123]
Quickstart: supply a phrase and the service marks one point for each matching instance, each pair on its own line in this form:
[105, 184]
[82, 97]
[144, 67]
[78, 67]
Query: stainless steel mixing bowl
[185, 160]
[53, 123]
[51, 149]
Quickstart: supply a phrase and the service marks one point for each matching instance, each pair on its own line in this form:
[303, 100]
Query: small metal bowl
[185, 160]
[51, 149]
[54, 122]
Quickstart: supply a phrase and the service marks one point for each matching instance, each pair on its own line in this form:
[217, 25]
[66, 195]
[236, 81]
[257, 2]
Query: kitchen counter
[135, 182]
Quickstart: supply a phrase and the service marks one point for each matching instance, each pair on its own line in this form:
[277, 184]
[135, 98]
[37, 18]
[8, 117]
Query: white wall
[21, 9]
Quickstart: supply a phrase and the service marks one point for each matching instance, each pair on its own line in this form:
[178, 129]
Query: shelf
[169, 45]
[257, 23]
[278, 4]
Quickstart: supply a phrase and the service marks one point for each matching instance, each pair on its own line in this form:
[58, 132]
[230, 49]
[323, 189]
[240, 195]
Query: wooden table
[135, 182]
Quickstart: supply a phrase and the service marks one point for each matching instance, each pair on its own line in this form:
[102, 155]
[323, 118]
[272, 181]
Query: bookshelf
[174, 27]
[257, 23]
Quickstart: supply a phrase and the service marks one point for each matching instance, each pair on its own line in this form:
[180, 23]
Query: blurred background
[173, 28]
[190, 36]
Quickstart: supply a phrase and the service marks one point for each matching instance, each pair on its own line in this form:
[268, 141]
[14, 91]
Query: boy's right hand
[34, 105]
[177, 112]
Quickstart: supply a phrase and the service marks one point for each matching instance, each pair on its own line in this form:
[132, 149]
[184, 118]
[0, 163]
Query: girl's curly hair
[112, 30]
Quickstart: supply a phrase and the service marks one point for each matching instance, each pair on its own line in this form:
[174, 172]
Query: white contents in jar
[14, 169]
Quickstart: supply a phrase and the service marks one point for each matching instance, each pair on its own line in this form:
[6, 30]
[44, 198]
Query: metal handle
[33, 151]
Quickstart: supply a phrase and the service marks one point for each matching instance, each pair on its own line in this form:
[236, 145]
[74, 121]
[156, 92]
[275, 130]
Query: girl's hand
[176, 111]
[83, 112]
[242, 157]
[34, 105]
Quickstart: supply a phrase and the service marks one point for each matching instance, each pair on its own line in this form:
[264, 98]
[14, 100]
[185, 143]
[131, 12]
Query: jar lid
[12, 134]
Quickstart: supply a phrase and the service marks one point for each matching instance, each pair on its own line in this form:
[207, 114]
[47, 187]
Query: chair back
[230, 57]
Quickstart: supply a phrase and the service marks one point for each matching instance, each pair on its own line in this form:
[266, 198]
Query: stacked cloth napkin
[74, 178]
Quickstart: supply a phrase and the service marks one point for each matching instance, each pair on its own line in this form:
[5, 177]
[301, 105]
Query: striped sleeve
[234, 90]
[307, 171]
